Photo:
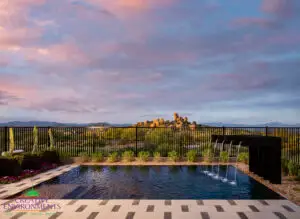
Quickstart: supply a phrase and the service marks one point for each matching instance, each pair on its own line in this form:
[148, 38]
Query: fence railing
[74, 140]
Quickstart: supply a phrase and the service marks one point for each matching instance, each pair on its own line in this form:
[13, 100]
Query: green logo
[32, 193]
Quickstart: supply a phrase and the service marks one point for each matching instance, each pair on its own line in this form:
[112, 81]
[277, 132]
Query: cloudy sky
[234, 61]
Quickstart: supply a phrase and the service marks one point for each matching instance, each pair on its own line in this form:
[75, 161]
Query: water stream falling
[226, 175]
[220, 150]
[238, 151]
[211, 173]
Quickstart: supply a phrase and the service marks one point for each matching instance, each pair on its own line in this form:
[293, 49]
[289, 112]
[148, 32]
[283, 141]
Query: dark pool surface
[154, 182]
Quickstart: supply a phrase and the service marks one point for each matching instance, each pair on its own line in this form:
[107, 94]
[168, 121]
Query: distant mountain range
[270, 124]
[56, 124]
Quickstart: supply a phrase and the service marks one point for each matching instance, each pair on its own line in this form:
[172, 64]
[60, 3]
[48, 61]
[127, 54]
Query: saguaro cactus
[11, 141]
[51, 139]
[35, 140]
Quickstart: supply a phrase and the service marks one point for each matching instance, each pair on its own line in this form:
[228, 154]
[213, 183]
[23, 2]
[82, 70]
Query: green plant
[144, 156]
[224, 156]
[65, 157]
[11, 141]
[293, 168]
[284, 166]
[157, 156]
[208, 155]
[35, 140]
[164, 149]
[173, 156]
[19, 158]
[97, 157]
[112, 157]
[191, 156]
[128, 156]
[84, 157]
[51, 140]
[243, 157]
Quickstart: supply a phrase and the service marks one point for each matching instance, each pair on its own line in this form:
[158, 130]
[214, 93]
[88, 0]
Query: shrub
[84, 157]
[112, 157]
[224, 156]
[128, 156]
[173, 156]
[31, 161]
[157, 156]
[164, 149]
[191, 156]
[144, 156]
[97, 157]
[9, 167]
[19, 158]
[50, 156]
[208, 155]
[293, 168]
[65, 157]
[243, 157]
[284, 166]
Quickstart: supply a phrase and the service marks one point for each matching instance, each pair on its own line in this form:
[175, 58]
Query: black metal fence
[74, 140]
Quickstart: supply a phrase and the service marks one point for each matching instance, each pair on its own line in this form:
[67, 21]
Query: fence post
[136, 141]
[5, 138]
[266, 130]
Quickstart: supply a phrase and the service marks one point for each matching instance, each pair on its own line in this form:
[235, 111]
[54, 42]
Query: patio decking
[162, 209]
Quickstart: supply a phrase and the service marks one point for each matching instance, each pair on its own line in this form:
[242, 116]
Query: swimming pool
[155, 182]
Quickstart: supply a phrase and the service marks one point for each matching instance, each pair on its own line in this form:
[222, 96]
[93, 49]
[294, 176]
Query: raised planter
[50, 157]
[32, 162]
[9, 167]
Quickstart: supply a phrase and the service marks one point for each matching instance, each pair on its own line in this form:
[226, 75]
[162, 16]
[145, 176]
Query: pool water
[154, 182]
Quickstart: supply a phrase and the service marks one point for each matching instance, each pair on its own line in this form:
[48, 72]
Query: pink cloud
[263, 22]
[278, 7]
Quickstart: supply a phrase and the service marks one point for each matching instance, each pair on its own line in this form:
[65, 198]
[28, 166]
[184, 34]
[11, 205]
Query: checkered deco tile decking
[161, 209]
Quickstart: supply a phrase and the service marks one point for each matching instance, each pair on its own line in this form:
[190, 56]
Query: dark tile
[253, 208]
[92, 215]
[103, 202]
[36, 178]
[242, 215]
[150, 208]
[116, 208]
[200, 202]
[81, 208]
[280, 215]
[219, 208]
[135, 202]
[72, 202]
[18, 215]
[205, 215]
[184, 208]
[231, 202]
[167, 215]
[130, 215]
[3, 191]
[168, 202]
[263, 202]
[22, 184]
[55, 215]
[288, 208]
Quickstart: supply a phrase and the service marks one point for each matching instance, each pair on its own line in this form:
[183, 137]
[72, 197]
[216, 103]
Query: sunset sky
[122, 61]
